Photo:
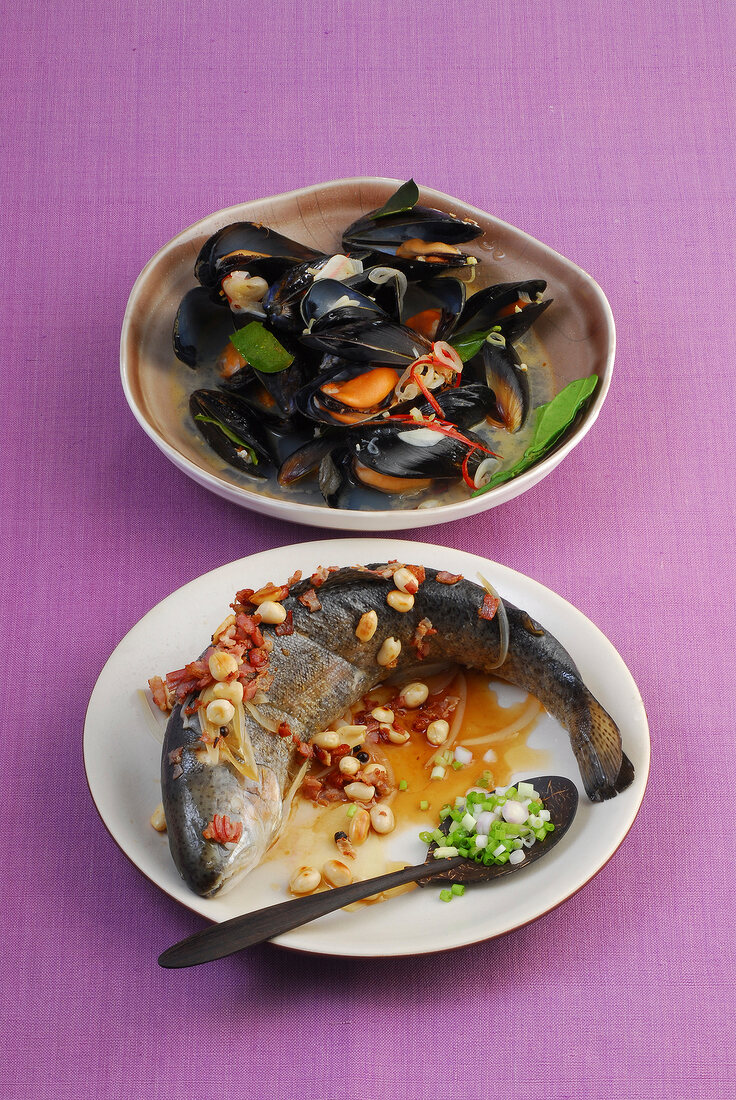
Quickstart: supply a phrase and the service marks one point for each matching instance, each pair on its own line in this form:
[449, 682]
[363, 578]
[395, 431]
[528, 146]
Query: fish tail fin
[596, 742]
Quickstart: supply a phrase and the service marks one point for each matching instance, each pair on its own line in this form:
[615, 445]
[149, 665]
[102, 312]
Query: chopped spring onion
[491, 828]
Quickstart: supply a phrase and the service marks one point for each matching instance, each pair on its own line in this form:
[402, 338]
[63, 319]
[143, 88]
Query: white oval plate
[577, 332]
[122, 760]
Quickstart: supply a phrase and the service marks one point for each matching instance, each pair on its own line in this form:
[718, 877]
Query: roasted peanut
[222, 664]
[349, 765]
[405, 581]
[327, 739]
[359, 825]
[389, 652]
[220, 711]
[396, 737]
[400, 601]
[382, 818]
[271, 612]
[437, 732]
[382, 714]
[351, 735]
[232, 691]
[336, 873]
[158, 819]
[367, 626]
[415, 694]
[359, 792]
[305, 880]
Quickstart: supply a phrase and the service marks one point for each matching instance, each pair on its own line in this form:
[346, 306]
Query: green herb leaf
[470, 343]
[552, 420]
[405, 198]
[240, 443]
[261, 349]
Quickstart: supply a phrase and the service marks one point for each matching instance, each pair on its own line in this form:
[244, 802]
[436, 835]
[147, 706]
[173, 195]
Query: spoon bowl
[559, 795]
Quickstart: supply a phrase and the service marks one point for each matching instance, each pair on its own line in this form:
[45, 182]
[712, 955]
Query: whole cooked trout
[222, 819]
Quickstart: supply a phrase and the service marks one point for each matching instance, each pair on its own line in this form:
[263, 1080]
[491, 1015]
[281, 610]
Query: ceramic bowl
[576, 332]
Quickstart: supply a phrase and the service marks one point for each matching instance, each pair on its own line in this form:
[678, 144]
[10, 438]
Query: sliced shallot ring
[503, 624]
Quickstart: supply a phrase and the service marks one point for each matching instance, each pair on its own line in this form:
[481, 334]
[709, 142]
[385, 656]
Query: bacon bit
[175, 755]
[418, 571]
[258, 658]
[448, 578]
[311, 788]
[284, 729]
[365, 718]
[424, 629]
[223, 830]
[321, 574]
[247, 630]
[489, 607]
[161, 694]
[302, 746]
[242, 598]
[344, 846]
[287, 626]
[309, 600]
[193, 677]
[294, 578]
[275, 592]
[341, 750]
[323, 756]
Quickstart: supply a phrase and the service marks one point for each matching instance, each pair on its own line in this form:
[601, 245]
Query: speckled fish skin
[323, 668]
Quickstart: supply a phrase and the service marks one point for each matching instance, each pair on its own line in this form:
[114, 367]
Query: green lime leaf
[470, 343]
[261, 349]
[240, 443]
[404, 199]
[552, 420]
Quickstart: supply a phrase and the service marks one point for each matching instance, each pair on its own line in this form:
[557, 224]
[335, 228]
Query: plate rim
[385, 546]
[313, 515]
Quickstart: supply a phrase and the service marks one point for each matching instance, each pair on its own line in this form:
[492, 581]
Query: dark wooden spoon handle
[230, 936]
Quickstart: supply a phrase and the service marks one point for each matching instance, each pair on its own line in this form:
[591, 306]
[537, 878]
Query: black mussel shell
[313, 403]
[248, 246]
[283, 301]
[201, 328]
[464, 407]
[488, 308]
[504, 373]
[434, 306]
[385, 285]
[386, 447]
[307, 458]
[375, 341]
[232, 430]
[393, 236]
[329, 302]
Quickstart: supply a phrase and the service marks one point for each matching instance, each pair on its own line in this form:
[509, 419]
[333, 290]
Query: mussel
[499, 366]
[232, 430]
[388, 456]
[282, 303]
[510, 308]
[248, 246]
[417, 236]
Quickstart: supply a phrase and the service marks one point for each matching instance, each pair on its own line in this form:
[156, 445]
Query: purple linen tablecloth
[604, 129]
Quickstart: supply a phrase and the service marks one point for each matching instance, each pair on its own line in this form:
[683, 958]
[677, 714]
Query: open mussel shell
[329, 302]
[501, 369]
[385, 285]
[392, 234]
[248, 246]
[232, 430]
[512, 308]
[201, 328]
[282, 303]
[433, 306]
[346, 392]
[376, 340]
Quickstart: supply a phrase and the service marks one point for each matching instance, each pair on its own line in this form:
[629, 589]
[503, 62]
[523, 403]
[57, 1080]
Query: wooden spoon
[559, 796]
